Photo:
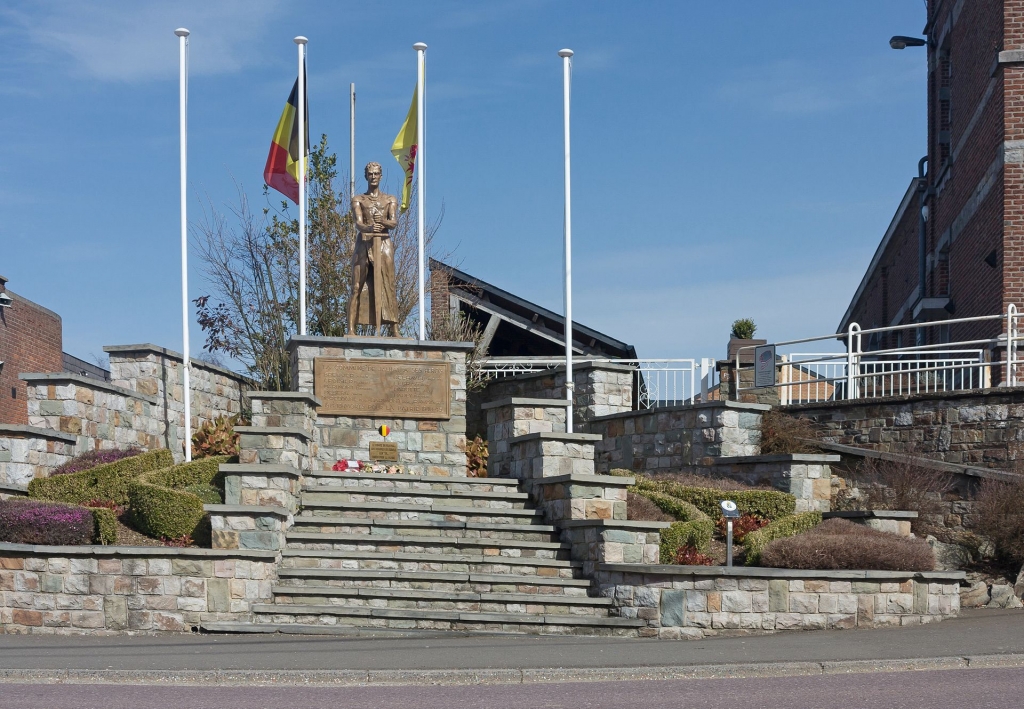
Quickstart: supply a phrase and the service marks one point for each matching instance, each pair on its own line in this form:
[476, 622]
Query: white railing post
[706, 369]
[852, 349]
[1011, 345]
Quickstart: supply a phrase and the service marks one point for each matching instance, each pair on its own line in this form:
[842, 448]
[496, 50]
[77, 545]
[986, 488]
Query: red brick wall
[1011, 254]
[30, 341]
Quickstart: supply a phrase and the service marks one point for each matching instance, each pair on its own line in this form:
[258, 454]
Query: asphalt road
[977, 689]
[983, 632]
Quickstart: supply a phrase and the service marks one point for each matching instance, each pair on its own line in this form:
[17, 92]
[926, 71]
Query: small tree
[743, 329]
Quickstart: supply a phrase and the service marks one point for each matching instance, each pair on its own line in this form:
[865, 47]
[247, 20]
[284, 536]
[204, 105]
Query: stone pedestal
[426, 446]
[513, 417]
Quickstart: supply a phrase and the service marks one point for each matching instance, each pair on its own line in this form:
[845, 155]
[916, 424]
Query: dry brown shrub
[903, 485]
[841, 544]
[999, 507]
[641, 509]
[714, 483]
[785, 434]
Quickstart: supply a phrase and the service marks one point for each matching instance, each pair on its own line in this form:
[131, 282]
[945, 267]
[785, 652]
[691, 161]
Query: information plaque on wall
[764, 366]
[383, 450]
[382, 388]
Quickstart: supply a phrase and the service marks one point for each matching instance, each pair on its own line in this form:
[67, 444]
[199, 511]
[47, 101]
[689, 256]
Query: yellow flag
[404, 150]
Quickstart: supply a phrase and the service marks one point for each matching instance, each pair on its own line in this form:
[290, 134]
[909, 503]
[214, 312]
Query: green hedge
[160, 503]
[104, 482]
[696, 533]
[756, 541]
[680, 509]
[106, 525]
[769, 504]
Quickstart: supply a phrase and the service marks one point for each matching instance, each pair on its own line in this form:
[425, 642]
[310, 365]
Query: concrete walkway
[980, 638]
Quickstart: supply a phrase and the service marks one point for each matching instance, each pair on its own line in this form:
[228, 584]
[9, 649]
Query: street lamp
[901, 42]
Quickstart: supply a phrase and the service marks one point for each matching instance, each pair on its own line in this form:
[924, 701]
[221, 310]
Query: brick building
[955, 247]
[30, 341]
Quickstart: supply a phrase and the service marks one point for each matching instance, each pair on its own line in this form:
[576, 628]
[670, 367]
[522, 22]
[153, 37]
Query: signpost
[764, 366]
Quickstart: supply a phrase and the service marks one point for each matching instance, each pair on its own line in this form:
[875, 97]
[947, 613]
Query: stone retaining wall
[694, 602]
[156, 372]
[980, 427]
[676, 438]
[426, 447]
[28, 452]
[98, 414]
[108, 590]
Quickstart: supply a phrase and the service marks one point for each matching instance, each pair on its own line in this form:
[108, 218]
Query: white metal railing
[804, 377]
[656, 382]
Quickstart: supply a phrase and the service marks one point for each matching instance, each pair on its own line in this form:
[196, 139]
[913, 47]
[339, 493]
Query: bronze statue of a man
[373, 300]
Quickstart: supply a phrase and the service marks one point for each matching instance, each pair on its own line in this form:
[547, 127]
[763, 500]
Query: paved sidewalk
[990, 638]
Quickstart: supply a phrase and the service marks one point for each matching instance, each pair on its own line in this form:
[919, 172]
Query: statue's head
[372, 174]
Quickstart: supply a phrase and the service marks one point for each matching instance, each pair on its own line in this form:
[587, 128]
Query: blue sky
[737, 159]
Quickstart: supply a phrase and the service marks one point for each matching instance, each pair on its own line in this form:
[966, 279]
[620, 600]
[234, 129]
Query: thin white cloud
[115, 42]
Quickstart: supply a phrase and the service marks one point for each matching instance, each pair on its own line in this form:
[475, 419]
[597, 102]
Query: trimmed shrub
[162, 506]
[90, 459]
[755, 542]
[209, 494]
[678, 509]
[689, 556]
[696, 533]
[640, 508]
[105, 519]
[769, 504]
[106, 482]
[33, 522]
[841, 544]
[741, 526]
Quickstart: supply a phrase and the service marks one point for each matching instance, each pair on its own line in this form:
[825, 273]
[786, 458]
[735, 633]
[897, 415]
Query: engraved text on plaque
[382, 388]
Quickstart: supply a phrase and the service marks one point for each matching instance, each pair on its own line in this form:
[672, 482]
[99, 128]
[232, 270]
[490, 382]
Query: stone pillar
[542, 455]
[425, 446]
[512, 417]
[727, 385]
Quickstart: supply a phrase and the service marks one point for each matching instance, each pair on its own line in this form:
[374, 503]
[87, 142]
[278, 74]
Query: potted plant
[742, 335]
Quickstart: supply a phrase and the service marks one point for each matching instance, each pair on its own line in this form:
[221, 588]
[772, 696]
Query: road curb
[453, 677]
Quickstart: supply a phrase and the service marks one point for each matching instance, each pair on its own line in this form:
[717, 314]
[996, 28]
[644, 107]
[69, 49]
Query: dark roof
[523, 327]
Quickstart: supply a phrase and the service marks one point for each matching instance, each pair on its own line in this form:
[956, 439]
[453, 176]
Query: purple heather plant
[91, 459]
[31, 522]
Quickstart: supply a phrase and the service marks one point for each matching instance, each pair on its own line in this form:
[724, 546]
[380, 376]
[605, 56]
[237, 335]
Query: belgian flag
[282, 170]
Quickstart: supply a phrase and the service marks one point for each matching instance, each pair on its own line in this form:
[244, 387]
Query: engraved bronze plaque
[383, 388]
[383, 450]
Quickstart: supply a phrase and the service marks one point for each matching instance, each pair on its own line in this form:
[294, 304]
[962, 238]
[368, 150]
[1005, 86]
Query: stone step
[439, 600]
[420, 480]
[331, 485]
[461, 581]
[421, 499]
[311, 502]
[439, 619]
[434, 563]
[325, 525]
[294, 555]
[300, 536]
[469, 529]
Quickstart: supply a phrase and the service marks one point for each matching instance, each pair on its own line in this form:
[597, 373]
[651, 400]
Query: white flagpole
[186, 364]
[420, 48]
[301, 41]
[352, 140]
[566, 55]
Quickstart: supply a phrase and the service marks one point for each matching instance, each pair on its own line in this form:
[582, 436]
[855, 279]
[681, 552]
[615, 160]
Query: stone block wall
[27, 452]
[111, 590]
[678, 437]
[981, 427]
[156, 372]
[597, 542]
[426, 447]
[806, 476]
[600, 389]
[513, 417]
[696, 602]
[248, 526]
[568, 497]
[544, 455]
[99, 415]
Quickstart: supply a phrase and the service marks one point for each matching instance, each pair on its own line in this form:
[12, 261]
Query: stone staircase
[404, 552]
